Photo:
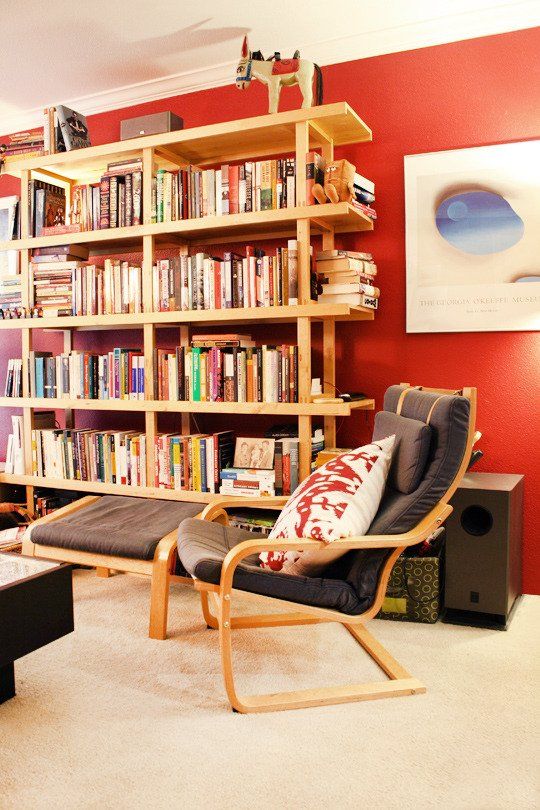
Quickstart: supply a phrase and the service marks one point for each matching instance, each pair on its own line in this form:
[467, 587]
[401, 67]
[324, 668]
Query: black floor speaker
[483, 550]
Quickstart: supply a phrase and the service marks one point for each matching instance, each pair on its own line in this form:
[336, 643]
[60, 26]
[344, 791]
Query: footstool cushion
[116, 526]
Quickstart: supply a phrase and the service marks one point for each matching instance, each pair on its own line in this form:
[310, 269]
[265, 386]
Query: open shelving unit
[293, 132]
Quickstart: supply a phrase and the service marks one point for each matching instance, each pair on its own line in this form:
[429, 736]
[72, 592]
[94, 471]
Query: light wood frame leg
[160, 585]
[400, 681]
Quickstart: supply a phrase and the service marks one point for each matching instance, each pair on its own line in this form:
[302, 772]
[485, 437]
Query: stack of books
[189, 193]
[227, 368]
[364, 195]
[193, 462]
[28, 143]
[248, 482]
[347, 277]
[54, 288]
[10, 295]
[111, 457]
[119, 374]
[13, 387]
[205, 282]
[114, 202]
[47, 501]
[72, 288]
[259, 522]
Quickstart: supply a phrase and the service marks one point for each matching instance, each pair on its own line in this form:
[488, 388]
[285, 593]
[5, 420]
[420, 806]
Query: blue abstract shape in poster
[478, 222]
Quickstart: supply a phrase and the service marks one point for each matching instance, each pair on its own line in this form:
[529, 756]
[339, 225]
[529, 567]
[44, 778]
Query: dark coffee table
[36, 607]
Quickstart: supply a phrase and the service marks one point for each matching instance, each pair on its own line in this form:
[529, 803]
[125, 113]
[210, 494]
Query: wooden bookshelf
[284, 133]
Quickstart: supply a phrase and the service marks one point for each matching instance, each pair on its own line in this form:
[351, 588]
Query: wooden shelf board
[156, 406]
[342, 217]
[214, 143]
[107, 489]
[285, 314]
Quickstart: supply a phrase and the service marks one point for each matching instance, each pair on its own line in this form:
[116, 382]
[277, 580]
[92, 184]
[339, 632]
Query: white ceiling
[105, 54]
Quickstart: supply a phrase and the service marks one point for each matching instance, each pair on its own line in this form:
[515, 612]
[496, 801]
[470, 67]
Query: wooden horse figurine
[278, 73]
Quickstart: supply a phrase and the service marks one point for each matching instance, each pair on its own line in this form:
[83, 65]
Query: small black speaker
[483, 550]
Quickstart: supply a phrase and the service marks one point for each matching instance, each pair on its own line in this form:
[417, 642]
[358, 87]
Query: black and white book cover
[73, 129]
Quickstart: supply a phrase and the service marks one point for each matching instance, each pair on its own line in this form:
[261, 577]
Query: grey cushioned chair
[434, 437]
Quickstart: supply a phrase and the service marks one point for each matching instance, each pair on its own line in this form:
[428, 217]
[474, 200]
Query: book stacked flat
[247, 482]
[364, 195]
[119, 374]
[114, 202]
[347, 277]
[192, 462]
[204, 282]
[231, 189]
[110, 457]
[54, 288]
[259, 522]
[13, 387]
[10, 295]
[28, 143]
[227, 368]
[73, 288]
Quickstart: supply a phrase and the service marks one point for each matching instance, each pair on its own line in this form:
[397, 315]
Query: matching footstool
[114, 533]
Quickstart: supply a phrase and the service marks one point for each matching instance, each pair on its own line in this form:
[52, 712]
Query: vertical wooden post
[302, 225]
[304, 395]
[150, 417]
[148, 174]
[329, 377]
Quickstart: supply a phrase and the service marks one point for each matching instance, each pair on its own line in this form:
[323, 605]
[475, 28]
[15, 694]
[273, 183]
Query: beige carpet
[106, 718]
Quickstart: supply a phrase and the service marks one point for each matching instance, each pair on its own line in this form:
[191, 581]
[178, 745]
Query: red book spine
[286, 461]
[234, 177]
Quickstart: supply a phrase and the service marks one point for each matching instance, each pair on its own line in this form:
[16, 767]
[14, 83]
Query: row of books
[72, 288]
[15, 448]
[190, 193]
[13, 386]
[204, 282]
[114, 202]
[193, 462]
[47, 206]
[111, 457]
[347, 277]
[239, 374]
[118, 374]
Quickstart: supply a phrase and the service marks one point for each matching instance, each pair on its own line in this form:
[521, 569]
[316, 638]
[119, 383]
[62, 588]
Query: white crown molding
[497, 19]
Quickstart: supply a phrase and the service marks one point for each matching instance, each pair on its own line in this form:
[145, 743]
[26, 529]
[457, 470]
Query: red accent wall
[464, 94]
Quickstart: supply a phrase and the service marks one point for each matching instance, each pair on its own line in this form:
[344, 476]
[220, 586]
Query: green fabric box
[415, 587]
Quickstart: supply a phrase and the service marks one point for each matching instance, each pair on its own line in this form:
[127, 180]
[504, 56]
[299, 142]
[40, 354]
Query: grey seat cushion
[203, 546]
[116, 526]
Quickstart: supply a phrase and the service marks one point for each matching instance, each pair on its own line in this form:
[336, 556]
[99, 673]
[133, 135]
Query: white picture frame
[486, 278]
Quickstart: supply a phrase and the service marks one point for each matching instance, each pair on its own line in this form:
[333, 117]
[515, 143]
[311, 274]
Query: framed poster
[473, 239]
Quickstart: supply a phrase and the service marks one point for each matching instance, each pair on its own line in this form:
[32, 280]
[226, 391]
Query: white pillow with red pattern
[338, 500]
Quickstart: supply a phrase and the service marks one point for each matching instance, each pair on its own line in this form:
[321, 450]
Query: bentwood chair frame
[400, 681]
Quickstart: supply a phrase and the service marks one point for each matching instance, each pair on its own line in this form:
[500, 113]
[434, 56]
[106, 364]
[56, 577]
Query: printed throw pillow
[338, 500]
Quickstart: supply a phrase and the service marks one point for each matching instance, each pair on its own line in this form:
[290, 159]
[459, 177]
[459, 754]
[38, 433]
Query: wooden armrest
[223, 502]
[427, 526]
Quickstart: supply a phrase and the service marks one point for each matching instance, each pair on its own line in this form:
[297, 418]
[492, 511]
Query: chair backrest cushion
[399, 511]
[449, 424]
[411, 449]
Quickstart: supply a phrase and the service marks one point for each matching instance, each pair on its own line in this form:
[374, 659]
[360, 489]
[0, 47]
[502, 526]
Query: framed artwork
[472, 239]
[255, 454]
